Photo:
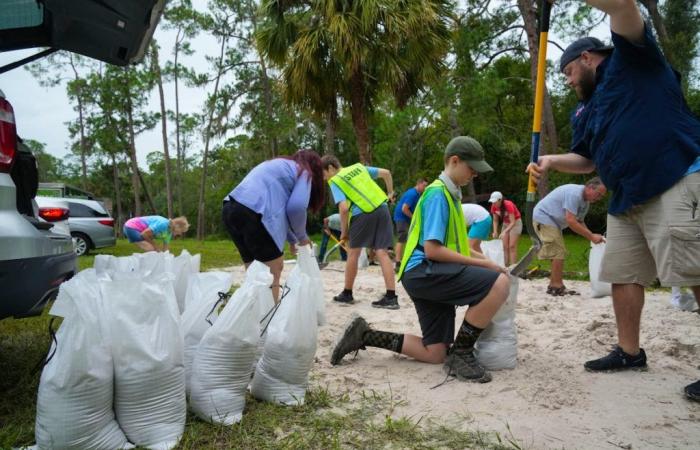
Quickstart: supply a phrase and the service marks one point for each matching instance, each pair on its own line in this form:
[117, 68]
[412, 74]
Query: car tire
[82, 244]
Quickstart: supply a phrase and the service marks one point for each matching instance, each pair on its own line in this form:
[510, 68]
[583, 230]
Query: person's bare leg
[413, 347]
[628, 302]
[351, 266]
[556, 278]
[506, 249]
[145, 246]
[513, 249]
[276, 266]
[480, 315]
[387, 269]
[475, 244]
[398, 252]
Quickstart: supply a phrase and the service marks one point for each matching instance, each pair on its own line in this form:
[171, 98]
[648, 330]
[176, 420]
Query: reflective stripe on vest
[455, 235]
[359, 187]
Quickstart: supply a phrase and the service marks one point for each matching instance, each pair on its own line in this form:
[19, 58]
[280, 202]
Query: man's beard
[586, 85]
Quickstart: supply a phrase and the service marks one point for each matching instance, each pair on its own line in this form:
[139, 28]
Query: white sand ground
[548, 400]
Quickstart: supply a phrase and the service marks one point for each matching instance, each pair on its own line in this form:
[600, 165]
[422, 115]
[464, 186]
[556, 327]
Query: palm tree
[355, 50]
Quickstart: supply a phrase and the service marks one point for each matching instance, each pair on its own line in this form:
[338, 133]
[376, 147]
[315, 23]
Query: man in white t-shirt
[564, 207]
[479, 223]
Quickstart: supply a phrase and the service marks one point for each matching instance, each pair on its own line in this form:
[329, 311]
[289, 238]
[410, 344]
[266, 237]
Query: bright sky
[42, 113]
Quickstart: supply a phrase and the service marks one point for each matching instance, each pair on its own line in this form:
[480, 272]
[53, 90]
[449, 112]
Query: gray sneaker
[464, 366]
[350, 340]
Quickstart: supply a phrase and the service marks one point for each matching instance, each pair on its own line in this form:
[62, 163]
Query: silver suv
[33, 259]
[90, 225]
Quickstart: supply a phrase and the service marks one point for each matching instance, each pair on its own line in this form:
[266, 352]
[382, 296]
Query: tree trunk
[548, 130]
[117, 197]
[267, 94]
[149, 200]
[358, 110]
[179, 152]
[331, 126]
[81, 122]
[207, 138]
[164, 123]
[132, 156]
[653, 7]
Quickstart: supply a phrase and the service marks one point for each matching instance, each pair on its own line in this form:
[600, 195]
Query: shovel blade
[524, 262]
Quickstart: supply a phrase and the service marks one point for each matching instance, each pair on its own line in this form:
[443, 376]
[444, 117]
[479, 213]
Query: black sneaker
[617, 359]
[351, 339]
[692, 391]
[464, 366]
[344, 297]
[387, 302]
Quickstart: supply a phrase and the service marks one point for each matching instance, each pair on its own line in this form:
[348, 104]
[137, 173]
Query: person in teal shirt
[143, 231]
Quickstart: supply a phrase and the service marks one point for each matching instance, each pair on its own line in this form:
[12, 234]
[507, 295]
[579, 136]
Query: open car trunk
[114, 31]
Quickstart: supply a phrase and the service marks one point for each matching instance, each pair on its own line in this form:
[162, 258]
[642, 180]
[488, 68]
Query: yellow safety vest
[455, 239]
[359, 187]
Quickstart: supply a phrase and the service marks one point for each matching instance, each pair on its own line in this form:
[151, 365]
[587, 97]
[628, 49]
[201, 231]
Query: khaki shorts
[517, 229]
[660, 238]
[552, 242]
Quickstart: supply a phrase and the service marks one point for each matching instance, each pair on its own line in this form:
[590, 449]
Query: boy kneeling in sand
[439, 274]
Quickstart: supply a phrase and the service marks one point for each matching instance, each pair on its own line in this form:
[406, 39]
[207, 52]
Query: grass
[326, 421]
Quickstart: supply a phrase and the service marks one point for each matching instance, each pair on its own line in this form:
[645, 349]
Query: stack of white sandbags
[282, 373]
[76, 390]
[497, 346]
[223, 362]
[118, 373]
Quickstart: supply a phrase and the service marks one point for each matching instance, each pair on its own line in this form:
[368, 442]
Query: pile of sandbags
[145, 333]
[117, 373]
[497, 346]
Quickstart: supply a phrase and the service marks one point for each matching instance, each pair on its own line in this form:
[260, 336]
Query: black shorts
[372, 230]
[401, 231]
[437, 289]
[248, 233]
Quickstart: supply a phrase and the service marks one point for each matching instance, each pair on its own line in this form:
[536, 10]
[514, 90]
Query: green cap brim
[480, 166]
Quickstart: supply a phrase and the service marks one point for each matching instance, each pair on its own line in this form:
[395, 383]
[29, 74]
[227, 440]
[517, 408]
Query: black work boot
[351, 340]
[692, 391]
[463, 365]
[616, 360]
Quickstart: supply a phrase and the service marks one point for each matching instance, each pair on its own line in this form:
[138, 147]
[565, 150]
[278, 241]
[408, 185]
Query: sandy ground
[548, 400]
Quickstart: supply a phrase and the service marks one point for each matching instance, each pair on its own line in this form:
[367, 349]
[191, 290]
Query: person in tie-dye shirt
[143, 231]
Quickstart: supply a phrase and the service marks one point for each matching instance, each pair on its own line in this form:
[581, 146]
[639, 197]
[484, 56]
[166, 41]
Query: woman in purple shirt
[269, 206]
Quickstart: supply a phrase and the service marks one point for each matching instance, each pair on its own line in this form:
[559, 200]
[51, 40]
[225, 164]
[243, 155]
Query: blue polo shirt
[435, 217]
[410, 197]
[636, 126]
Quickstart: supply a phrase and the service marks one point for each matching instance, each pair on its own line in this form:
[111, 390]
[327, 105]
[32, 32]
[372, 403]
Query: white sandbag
[363, 262]
[74, 404]
[595, 260]
[138, 264]
[223, 362]
[308, 264]
[200, 311]
[147, 347]
[282, 373]
[685, 301]
[497, 347]
[184, 267]
[493, 250]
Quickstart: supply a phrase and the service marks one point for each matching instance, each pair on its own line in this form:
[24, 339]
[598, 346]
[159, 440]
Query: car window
[80, 210]
[21, 14]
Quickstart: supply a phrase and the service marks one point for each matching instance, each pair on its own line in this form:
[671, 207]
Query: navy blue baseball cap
[585, 44]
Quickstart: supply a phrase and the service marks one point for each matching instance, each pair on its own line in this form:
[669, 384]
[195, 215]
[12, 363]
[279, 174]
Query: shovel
[520, 266]
[324, 263]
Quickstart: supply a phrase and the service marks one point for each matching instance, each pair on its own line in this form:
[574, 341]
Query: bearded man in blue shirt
[634, 127]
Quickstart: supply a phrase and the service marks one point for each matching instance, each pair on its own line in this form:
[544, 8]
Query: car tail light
[8, 136]
[53, 214]
[108, 222]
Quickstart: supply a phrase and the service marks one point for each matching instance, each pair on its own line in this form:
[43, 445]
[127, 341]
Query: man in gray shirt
[564, 207]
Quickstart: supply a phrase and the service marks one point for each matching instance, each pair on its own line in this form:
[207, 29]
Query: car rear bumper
[28, 284]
